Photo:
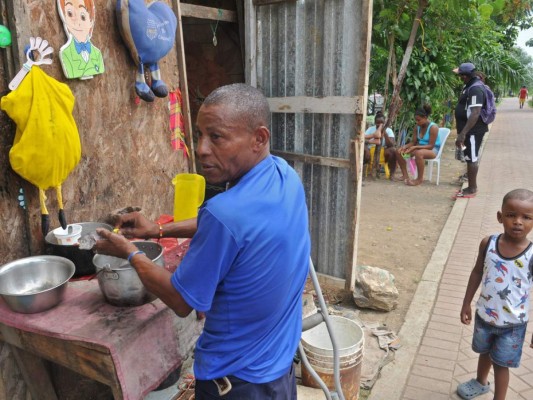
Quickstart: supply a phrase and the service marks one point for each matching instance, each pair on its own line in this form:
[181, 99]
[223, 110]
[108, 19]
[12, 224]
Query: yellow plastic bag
[47, 144]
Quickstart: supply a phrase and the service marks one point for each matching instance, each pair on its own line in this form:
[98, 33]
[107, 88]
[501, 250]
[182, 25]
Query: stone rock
[374, 288]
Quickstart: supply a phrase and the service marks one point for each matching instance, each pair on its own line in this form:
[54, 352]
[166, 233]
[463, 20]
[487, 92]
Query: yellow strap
[59, 197]
[42, 201]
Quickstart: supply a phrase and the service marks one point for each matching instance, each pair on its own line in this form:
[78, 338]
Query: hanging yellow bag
[47, 144]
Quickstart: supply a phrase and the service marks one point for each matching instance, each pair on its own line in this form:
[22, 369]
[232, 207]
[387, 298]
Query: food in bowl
[35, 284]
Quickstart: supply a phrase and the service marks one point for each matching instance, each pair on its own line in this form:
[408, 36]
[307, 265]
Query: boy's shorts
[503, 344]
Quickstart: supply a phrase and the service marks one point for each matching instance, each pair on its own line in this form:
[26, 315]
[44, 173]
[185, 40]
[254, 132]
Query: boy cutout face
[79, 57]
[79, 18]
[517, 218]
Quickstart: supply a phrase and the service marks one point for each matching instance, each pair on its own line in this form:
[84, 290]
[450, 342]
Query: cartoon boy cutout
[79, 57]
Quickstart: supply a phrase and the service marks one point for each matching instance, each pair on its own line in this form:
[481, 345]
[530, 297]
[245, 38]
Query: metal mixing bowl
[119, 281]
[34, 284]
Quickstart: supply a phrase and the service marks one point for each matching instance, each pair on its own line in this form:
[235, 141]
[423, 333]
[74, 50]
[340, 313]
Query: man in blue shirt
[248, 259]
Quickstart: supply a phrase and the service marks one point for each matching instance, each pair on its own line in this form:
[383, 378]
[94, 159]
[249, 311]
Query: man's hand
[113, 244]
[459, 142]
[136, 225]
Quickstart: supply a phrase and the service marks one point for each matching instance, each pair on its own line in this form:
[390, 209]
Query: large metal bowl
[35, 284]
[119, 281]
[82, 259]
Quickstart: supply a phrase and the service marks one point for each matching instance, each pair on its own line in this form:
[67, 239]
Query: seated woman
[374, 135]
[424, 146]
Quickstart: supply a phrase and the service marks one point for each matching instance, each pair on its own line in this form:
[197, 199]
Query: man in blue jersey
[248, 259]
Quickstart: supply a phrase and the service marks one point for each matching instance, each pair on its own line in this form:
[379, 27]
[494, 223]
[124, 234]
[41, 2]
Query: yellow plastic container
[189, 192]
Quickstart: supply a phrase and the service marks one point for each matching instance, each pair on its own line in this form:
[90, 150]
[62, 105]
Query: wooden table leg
[36, 374]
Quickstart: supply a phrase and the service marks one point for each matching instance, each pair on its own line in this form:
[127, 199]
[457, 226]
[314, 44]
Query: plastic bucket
[189, 192]
[64, 237]
[319, 351]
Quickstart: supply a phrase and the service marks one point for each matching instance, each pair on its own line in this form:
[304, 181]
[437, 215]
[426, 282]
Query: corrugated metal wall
[317, 48]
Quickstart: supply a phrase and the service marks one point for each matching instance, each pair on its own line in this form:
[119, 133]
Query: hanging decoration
[5, 37]
[214, 30]
[177, 130]
[79, 57]
[149, 33]
[47, 144]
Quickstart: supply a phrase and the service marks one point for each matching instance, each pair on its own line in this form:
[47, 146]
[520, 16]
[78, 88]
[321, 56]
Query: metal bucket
[82, 259]
[319, 351]
[119, 281]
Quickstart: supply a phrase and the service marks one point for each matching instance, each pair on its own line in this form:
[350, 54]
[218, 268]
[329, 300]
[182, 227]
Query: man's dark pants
[283, 388]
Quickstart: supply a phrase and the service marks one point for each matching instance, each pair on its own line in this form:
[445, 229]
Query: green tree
[448, 33]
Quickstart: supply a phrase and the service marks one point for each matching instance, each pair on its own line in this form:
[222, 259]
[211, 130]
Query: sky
[523, 37]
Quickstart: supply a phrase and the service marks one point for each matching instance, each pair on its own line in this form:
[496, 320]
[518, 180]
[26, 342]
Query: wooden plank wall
[126, 154]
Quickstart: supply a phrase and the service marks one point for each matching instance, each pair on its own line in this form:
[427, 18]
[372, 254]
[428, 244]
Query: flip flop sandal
[464, 194]
[472, 388]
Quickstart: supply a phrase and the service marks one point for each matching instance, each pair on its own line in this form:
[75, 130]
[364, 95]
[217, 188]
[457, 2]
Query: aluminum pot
[119, 281]
[82, 259]
[35, 284]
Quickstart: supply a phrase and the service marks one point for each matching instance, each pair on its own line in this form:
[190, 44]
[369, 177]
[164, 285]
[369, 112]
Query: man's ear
[262, 137]
[499, 216]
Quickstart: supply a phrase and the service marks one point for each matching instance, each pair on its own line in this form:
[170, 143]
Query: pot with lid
[82, 259]
[119, 281]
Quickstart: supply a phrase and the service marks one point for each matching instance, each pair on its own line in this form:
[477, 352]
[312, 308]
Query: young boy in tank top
[504, 271]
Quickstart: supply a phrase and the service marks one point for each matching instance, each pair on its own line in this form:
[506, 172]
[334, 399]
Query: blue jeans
[503, 344]
[283, 388]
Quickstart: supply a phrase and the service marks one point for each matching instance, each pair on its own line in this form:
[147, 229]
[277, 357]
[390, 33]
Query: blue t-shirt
[246, 268]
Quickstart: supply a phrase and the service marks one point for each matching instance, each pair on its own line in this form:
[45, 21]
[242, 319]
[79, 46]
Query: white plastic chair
[443, 135]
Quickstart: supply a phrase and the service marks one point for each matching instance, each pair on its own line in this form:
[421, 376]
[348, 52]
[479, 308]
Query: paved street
[436, 355]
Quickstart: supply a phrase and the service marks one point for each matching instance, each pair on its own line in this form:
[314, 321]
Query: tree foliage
[450, 32]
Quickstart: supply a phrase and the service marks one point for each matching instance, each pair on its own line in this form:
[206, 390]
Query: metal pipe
[313, 373]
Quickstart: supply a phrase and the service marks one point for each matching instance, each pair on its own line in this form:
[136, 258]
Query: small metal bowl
[35, 284]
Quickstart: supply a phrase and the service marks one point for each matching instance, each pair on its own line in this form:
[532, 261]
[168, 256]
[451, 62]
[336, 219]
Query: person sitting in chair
[424, 146]
[374, 135]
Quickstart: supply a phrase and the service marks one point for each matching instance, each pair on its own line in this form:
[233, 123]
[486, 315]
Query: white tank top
[505, 285]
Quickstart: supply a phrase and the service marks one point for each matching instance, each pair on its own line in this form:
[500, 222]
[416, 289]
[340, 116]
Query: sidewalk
[436, 353]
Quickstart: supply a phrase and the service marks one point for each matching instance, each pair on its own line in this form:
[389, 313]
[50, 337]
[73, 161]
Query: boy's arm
[473, 283]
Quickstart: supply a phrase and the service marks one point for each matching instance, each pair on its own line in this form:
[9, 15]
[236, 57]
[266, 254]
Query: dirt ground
[399, 229]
